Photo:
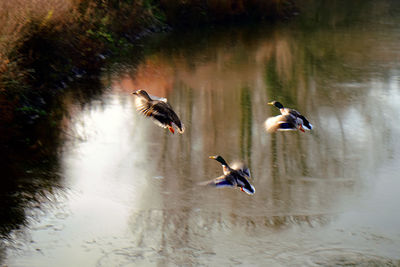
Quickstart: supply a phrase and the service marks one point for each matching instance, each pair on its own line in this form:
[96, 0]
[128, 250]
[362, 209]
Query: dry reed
[16, 15]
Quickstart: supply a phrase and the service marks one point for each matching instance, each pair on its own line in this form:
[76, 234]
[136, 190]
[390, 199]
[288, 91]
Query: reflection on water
[325, 197]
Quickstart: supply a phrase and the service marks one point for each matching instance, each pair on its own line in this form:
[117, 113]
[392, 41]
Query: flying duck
[159, 110]
[301, 122]
[236, 175]
[282, 123]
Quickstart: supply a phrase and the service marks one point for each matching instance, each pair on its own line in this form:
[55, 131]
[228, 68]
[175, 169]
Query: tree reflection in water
[302, 179]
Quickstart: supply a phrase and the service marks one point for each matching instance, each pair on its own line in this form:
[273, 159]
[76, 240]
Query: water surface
[128, 193]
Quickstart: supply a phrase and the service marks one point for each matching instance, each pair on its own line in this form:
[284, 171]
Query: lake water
[127, 190]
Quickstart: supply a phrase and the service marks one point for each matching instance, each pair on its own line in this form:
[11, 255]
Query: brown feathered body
[159, 110]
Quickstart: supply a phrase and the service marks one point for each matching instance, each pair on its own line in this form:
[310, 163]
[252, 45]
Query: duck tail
[307, 126]
[250, 190]
[181, 129]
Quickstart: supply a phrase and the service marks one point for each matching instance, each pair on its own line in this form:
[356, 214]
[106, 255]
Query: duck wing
[280, 123]
[144, 106]
[222, 181]
[286, 126]
[292, 112]
[165, 114]
[159, 110]
[152, 106]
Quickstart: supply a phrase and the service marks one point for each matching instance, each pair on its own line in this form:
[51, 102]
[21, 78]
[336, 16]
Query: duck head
[142, 93]
[276, 104]
[219, 159]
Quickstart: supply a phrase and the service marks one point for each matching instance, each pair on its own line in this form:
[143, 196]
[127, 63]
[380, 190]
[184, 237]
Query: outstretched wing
[280, 123]
[286, 126]
[152, 107]
[144, 106]
[157, 110]
[221, 181]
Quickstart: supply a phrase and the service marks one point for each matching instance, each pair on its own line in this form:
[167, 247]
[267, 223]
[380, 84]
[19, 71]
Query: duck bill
[212, 157]
[301, 129]
[171, 129]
